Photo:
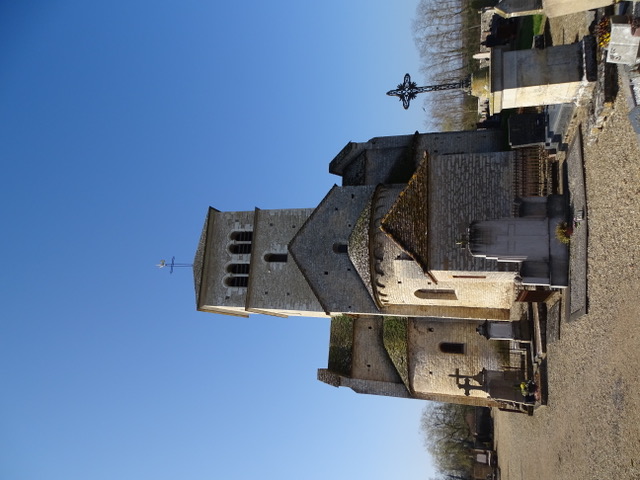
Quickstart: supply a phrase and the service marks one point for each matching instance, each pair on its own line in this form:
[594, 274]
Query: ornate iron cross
[408, 90]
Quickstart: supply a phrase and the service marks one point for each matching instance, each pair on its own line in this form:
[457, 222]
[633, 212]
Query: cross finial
[163, 263]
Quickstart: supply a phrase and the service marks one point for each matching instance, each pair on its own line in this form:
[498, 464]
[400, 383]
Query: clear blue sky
[120, 123]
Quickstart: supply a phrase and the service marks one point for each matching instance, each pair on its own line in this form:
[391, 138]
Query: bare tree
[448, 438]
[441, 32]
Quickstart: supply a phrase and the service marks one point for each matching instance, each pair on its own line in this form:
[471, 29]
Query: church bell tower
[242, 265]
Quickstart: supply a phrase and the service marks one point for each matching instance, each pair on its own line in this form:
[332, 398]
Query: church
[418, 257]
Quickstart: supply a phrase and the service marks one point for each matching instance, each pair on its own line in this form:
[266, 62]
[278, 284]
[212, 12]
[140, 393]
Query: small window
[455, 348]
[436, 294]
[245, 236]
[276, 257]
[238, 268]
[340, 247]
[240, 248]
[235, 281]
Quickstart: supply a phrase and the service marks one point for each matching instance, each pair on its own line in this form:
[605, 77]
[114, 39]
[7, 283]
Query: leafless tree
[448, 438]
[441, 30]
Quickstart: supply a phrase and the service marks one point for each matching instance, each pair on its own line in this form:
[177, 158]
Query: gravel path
[591, 426]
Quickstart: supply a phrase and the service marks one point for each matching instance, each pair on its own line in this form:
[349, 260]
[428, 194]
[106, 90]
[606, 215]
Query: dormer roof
[406, 223]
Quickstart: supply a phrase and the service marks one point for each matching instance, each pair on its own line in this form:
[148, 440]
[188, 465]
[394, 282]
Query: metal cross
[408, 90]
[173, 264]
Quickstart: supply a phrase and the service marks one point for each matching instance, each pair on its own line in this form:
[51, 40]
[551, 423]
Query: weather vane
[408, 90]
[173, 264]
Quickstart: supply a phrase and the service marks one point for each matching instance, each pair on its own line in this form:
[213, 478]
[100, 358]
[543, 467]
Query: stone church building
[430, 237]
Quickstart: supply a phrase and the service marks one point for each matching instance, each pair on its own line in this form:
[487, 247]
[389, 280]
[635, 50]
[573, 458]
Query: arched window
[340, 247]
[455, 348]
[240, 248]
[238, 268]
[436, 294]
[276, 257]
[244, 236]
[237, 281]
[241, 242]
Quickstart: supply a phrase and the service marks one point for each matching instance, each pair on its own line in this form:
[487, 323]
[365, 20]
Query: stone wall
[277, 285]
[370, 360]
[432, 370]
[317, 251]
[558, 8]
[534, 77]
[217, 256]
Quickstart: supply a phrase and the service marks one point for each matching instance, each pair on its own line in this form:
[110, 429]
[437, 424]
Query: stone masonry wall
[370, 360]
[279, 285]
[431, 369]
[328, 270]
[218, 257]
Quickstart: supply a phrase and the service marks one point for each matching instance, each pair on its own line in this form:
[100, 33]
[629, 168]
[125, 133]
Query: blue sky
[120, 123]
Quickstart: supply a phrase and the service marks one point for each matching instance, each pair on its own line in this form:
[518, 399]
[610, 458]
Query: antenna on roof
[163, 263]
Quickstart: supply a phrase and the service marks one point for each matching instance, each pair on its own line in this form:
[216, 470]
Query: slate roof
[406, 223]
[444, 196]
[331, 275]
[359, 248]
[198, 260]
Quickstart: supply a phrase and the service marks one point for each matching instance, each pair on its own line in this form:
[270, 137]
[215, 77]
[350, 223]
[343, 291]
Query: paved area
[590, 429]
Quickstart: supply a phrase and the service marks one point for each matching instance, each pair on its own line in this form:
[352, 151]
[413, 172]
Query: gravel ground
[590, 428]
